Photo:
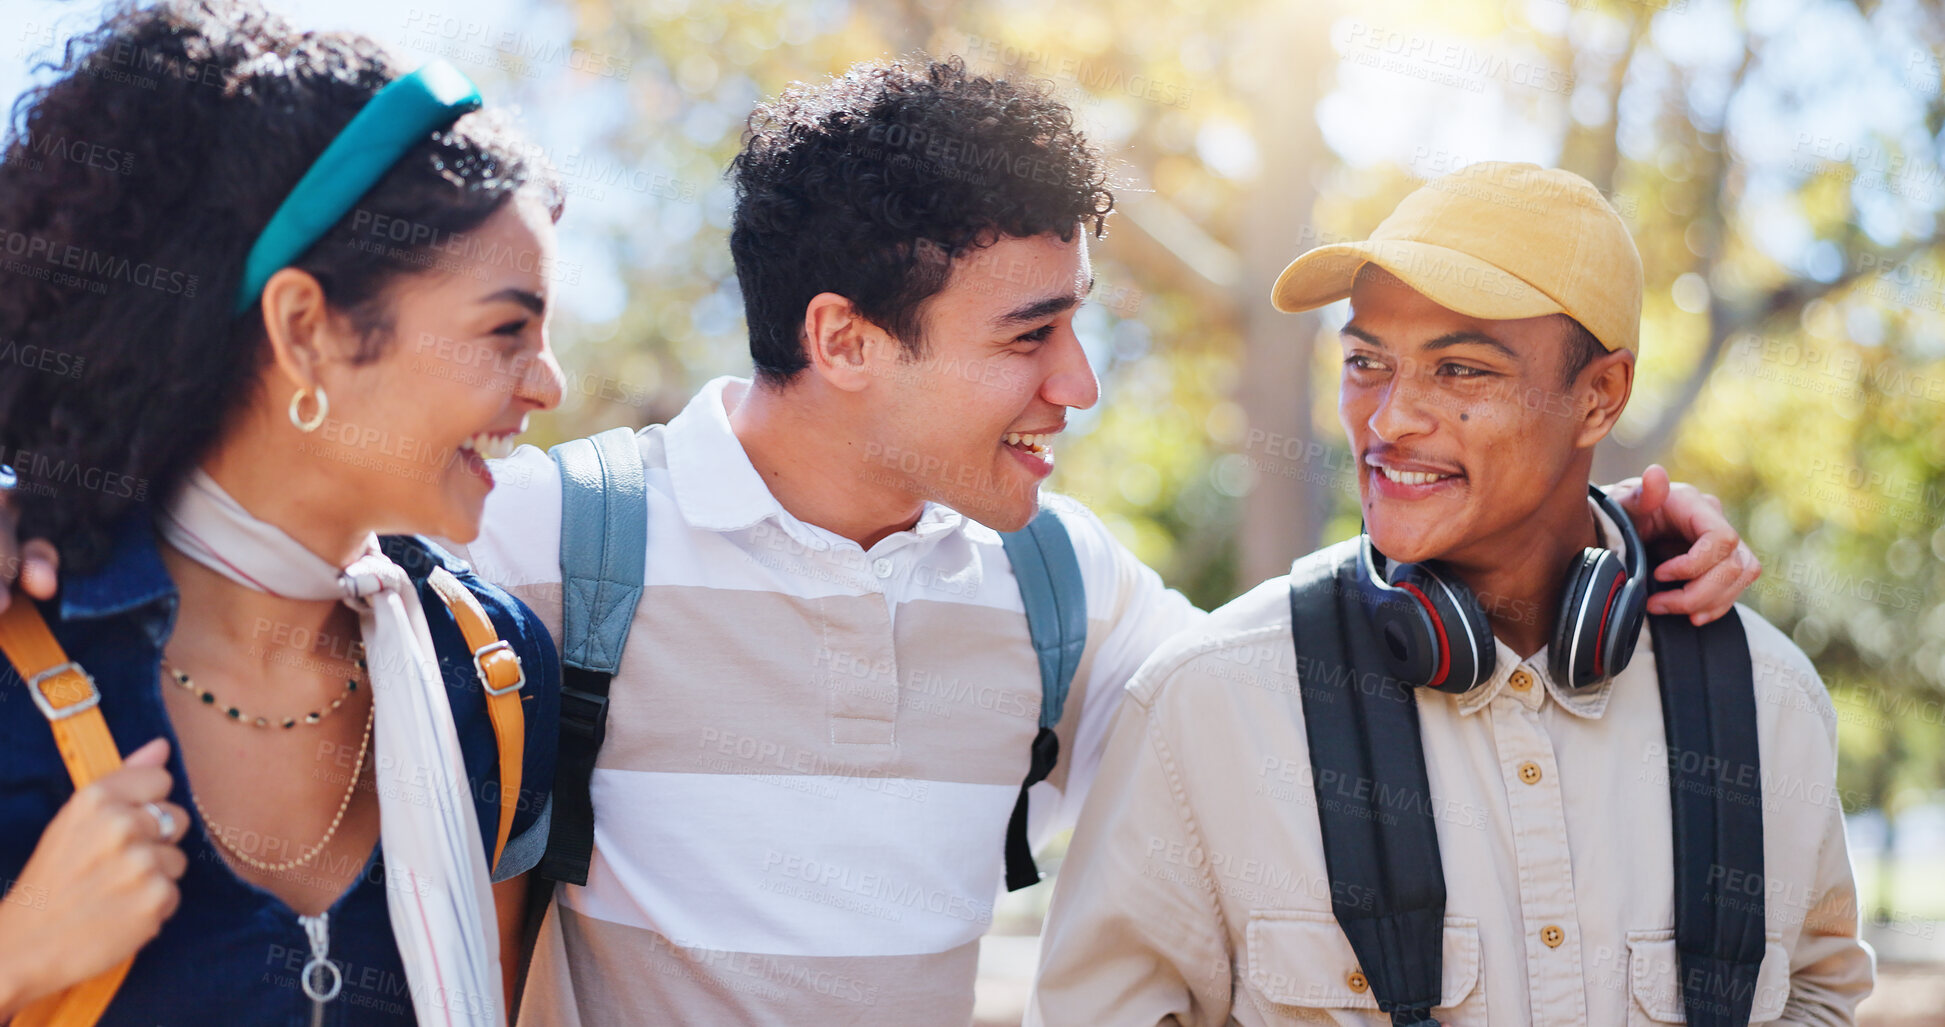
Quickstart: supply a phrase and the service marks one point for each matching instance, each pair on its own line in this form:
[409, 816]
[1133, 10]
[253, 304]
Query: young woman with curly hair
[295, 314]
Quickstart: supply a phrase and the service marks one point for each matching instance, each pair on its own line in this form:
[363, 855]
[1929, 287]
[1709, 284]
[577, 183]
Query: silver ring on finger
[165, 821]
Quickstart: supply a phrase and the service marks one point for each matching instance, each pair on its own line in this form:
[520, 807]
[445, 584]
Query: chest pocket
[1655, 980]
[1300, 965]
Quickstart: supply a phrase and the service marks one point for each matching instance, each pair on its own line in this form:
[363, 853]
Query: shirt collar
[718, 489]
[1586, 703]
[132, 575]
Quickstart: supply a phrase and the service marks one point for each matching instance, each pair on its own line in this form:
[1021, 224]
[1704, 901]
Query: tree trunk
[1283, 514]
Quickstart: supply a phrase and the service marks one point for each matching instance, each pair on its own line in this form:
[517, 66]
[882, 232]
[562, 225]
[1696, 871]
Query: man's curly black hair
[126, 268]
[864, 185]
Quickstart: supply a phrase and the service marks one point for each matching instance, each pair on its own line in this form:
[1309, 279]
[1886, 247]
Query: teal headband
[395, 120]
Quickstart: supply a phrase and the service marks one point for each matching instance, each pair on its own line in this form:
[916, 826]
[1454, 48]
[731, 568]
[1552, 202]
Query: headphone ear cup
[1407, 633]
[1581, 652]
[1630, 608]
[1469, 655]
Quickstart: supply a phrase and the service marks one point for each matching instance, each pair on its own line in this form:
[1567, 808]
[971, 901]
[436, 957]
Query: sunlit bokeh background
[1778, 161]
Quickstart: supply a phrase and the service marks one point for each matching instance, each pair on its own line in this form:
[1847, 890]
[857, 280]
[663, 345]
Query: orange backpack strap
[502, 677]
[66, 695]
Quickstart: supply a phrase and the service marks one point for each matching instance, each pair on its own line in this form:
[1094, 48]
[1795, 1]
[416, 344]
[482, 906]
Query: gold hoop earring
[308, 425]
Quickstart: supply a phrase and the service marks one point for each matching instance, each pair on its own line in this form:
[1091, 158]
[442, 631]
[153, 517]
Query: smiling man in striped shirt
[827, 701]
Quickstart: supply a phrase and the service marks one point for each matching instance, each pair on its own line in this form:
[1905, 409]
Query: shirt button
[1553, 936]
[1530, 772]
[882, 567]
[1357, 982]
[1521, 681]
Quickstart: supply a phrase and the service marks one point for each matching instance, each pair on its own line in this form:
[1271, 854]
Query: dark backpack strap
[1056, 606]
[1374, 803]
[604, 550]
[1708, 709]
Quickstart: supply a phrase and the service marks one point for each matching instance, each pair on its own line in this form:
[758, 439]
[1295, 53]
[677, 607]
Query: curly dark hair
[127, 267]
[866, 186]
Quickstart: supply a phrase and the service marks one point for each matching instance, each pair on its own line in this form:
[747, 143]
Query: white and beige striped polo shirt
[812, 749]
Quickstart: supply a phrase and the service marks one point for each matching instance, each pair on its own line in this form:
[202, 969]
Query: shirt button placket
[1536, 805]
[861, 675]
[885, 578]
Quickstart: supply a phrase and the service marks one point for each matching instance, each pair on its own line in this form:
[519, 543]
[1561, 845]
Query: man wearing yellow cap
[1446, 772]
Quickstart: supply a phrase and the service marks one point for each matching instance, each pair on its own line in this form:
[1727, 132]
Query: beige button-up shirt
[1196, 890]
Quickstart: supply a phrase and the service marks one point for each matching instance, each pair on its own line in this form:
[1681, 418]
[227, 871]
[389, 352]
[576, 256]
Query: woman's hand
[99, 885]
[1717, 565]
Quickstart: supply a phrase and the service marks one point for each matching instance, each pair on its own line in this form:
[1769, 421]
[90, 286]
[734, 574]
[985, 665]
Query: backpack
[1380, 843]
[604, 549]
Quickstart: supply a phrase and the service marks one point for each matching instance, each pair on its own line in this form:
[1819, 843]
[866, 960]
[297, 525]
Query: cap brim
[1453, 280]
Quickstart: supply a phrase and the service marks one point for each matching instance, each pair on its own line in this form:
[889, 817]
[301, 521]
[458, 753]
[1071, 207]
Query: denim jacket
[232, 952]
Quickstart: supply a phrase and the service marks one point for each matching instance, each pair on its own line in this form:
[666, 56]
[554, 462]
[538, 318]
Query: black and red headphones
[1435, 634]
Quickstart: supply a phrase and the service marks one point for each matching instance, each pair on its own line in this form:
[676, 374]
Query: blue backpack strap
[1055, 598]
[1387, 885]
[604, 553]
[604, 545]
[1708, 709]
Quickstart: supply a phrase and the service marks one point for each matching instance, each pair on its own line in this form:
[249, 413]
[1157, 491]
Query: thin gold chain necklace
[217, 832]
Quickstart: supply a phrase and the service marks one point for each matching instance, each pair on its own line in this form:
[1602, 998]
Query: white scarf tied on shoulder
[436, 883]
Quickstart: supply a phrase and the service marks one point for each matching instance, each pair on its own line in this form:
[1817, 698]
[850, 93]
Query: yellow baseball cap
[1496, 241]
